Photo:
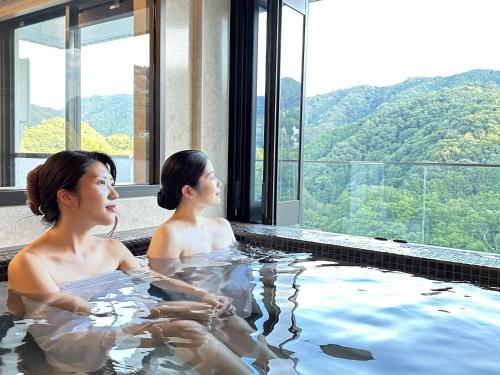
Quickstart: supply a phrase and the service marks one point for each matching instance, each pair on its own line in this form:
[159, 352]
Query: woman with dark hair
[73, 191]
[189, 185]
[190, 242]
[68, 273]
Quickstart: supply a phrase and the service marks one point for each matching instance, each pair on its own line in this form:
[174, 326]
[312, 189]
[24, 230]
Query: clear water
[314, 317]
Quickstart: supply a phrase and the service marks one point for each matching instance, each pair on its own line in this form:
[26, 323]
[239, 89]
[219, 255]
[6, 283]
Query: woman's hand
[207, 297]
[180, 333]
[200, 311]
[223, 305]
[225, 308]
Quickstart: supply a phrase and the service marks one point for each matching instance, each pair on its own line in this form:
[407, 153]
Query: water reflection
[305, 317]
[134, 324]
[125, 326]
[230, 272]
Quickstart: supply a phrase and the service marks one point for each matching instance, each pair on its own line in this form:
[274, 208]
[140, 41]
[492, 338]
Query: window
[402, 128]
[79, 76]
[290, 100]
[266, 112]
[397, 133]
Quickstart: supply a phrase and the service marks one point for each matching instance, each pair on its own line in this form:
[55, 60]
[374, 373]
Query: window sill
[17, 197]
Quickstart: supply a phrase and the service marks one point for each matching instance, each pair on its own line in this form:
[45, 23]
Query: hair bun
[33, 190]
[166, 200]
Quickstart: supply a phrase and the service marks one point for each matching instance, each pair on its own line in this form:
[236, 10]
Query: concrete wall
[196, 46]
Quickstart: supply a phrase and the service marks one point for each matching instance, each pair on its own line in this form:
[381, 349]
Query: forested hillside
[107, 114]
[349, 134]
[49, 136]
[446, 120]
[453, 119]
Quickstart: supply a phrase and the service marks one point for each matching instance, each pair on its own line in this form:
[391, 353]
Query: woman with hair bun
[189, 185]
[203, 248]
[71, 281]
[74, 192]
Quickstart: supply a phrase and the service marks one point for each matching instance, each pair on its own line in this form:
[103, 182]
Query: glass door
[259, 116]
[266, 111]
[289, 136]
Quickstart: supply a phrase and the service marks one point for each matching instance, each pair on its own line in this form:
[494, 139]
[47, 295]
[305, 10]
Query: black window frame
[242, 106]
[156, 154]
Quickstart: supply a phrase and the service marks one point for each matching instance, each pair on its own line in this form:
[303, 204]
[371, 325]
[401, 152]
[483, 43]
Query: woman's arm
[28, 277]
[130, 265]
[164, 282]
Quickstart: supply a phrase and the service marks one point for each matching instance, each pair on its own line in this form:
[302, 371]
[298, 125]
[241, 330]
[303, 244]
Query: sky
[383, 42]
[107, 69]
[350, 43]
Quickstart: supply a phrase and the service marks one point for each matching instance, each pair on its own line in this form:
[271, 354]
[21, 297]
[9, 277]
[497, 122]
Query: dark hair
[62, 170]
[180, 169]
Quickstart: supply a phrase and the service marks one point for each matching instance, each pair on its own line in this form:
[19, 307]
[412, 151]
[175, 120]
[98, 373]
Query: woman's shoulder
[27, 271]
[110, 244]
[222, 230]
[171, 229]
[121, 254]
[221, 224]
[31, 253]
[166, 240]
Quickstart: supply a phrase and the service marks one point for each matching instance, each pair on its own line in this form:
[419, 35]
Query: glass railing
[451, 205]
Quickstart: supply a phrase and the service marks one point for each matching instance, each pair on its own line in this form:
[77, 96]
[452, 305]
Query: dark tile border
[437, 263]
[429, 261]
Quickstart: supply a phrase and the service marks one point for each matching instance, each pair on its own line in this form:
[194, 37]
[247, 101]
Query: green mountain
[441, 119]
[415, 108]
[353, 104]
[107, 114]
[453, 119]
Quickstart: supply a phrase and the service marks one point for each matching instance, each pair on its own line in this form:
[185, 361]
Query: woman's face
[97, 195]
[209, 188]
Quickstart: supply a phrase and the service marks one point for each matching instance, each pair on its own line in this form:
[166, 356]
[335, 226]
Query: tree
[49, 137]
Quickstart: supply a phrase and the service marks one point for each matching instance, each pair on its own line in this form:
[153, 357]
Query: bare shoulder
[115, 246]
[166, 241]
[28, 256]
[170, 231]
[120, 253]
[28, 271]
[223, 228]
[222, 224]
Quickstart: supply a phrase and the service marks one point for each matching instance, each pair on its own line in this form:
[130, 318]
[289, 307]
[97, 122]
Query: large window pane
[114, 91]
[289, 104]
[402, 135]
[78, 78]
[39, 94]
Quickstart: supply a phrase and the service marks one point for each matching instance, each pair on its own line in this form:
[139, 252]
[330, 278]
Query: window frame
[12, 196]
[243, 77]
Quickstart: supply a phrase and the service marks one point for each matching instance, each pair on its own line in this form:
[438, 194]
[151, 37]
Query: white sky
[107, 69]
[383, 42]
[351, 42]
